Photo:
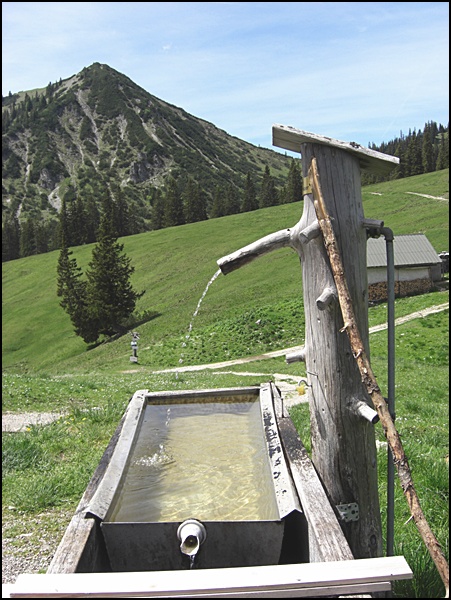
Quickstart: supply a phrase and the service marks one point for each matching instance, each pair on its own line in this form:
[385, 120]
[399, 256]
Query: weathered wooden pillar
[343, 439]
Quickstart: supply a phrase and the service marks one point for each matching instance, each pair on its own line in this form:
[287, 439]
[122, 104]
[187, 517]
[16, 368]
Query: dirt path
[20, 421]
[431, 197]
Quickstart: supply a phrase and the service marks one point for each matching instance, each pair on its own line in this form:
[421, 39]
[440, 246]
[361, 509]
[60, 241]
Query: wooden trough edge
[299, 580]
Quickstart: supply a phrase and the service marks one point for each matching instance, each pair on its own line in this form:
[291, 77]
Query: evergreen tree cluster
[103, 301]
[180, 201]
[422, 151]
[178, 204]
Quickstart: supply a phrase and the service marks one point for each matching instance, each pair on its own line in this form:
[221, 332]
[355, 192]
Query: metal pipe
[388, 234]
[191, 534]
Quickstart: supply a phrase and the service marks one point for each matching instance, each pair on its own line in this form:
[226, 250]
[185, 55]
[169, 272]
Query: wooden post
[343, 439]
[369, 380]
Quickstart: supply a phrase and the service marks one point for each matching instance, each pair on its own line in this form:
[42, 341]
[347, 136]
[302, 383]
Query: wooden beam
[291, 138]
[326, 539]
[306, 580]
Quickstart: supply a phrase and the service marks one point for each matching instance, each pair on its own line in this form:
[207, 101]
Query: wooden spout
[274, 241]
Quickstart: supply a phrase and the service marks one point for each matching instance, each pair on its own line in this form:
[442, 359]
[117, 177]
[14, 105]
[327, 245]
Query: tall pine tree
[173, 206]
[194, 202]
[218, 205]
[268, 192]
[157, 201]
[293, 189]
[103, 302]
[443, 152]
[250, 201]
[73, 293]
[232, 200]
[110, 295]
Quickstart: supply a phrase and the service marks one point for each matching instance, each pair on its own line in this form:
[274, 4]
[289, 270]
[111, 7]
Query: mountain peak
[98, 132]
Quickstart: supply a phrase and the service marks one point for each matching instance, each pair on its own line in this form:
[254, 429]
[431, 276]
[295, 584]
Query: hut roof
[409, 250]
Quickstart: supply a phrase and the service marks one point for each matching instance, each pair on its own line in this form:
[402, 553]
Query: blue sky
[355, 71]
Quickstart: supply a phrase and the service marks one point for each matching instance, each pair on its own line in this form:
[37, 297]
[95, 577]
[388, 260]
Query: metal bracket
[348, 512]
[307, 186]
[373, 227]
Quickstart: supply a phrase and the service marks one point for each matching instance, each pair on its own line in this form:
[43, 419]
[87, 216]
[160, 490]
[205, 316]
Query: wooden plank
[291, 138]
[299, 580]
[364, 590]
[278, 402]
[326, 539]
[212, 394]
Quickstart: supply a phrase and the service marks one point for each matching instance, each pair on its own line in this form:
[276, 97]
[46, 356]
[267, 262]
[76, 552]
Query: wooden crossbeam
[307, 580]
[291, 138]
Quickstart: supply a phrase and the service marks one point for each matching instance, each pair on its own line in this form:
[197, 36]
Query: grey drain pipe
[376, 229]
[388, 234]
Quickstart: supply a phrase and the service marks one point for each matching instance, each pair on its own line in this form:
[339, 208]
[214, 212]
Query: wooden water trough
[312, 534]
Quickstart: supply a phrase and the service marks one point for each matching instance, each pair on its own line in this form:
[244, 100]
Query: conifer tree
[121, 214]
[250, 201]
[110, 295]
[28, 238]
[201, 204]
[194, 203]
[173, 206]
[427, 153]
[78, 229]
[293, 190]
[157, 219]
[413, 156]
[218, 205]
[92, 219]
[400, 170]
[232, 201]
[42, 237]
[73, 293]
[443, 152]
[268, 192]
[105, 300]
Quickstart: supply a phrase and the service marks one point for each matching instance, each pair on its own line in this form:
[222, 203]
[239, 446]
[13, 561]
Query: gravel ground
[29, 542]
[20, 421]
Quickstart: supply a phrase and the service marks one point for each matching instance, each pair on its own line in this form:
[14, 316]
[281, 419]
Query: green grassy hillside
[255, 309]
[174, 265]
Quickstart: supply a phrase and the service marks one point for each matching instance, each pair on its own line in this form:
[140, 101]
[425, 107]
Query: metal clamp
[348, 512]
[307, 185]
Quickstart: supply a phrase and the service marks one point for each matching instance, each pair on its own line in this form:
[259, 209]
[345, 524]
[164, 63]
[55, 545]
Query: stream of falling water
[188, 335]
